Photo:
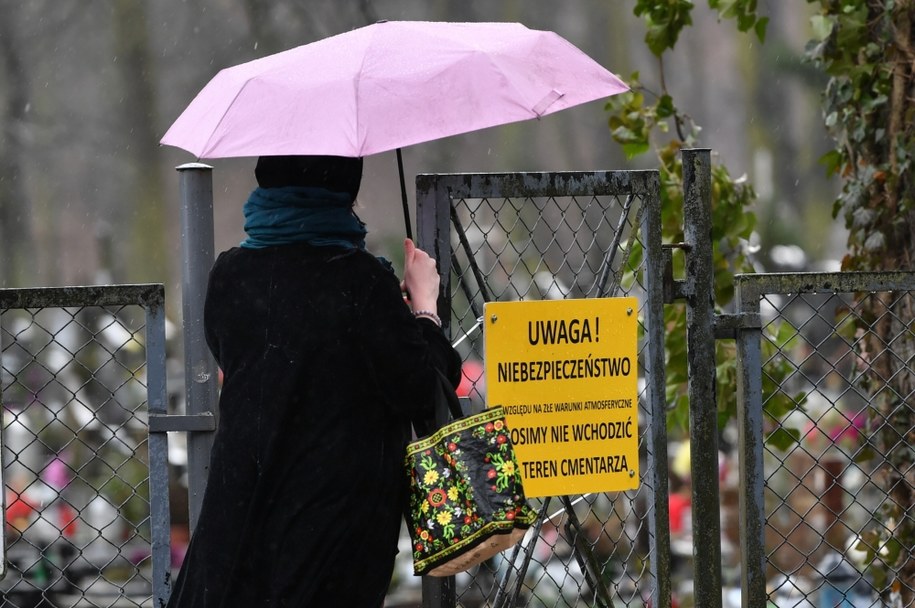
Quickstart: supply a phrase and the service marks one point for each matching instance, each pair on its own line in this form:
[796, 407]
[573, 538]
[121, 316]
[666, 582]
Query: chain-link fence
[76, 452]
[525, 237]
[839, 468]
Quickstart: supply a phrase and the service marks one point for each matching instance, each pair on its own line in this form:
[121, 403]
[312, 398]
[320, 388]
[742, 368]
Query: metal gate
[533, 236]
[826, 441]
[824, 430]
[825, 421]
[86, 484]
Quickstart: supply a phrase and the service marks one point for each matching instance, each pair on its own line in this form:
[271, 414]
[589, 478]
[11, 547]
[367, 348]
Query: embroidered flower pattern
[465, 486]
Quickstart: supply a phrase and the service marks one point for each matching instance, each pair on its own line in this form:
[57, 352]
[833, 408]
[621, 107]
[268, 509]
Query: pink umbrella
[385, 86]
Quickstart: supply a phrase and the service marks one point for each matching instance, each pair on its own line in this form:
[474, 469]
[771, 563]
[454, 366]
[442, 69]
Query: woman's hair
[335, 173]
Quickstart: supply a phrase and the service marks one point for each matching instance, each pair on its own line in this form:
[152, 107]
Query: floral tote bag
[466, 499]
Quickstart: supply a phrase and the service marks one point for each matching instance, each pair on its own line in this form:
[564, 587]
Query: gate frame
[150, 297]
[434, 193]
[750, 289]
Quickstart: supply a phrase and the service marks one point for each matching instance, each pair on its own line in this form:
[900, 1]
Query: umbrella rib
[357, 81]
[493, 61]
[229, 105]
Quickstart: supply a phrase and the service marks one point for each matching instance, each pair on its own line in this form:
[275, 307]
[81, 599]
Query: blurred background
[87, 196]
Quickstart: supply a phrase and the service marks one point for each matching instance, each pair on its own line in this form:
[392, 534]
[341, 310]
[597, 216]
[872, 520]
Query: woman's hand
[420, 278]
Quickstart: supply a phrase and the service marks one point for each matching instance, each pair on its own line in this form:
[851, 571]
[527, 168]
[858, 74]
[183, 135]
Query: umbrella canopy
[386, 86]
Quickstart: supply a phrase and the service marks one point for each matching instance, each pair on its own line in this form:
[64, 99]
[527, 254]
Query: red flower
[486, 458]
[500, 439]
[510, 515]
[437, 497]
[490, 474]
[493, 488]
[467, 519]
[419, 546]
[452, 446]
[489, 427]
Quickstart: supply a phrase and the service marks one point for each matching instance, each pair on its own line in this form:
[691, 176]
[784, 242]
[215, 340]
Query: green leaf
[761, 27]
[665, 21]
[659, 38]
[783, 438]
[821, 26]
[832, 160]
[634, 149]
[665, 107]
[778, 405]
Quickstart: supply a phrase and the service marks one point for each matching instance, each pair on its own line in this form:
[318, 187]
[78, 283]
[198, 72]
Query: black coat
[324, 366]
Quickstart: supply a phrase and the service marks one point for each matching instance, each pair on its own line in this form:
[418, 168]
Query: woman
[324, 367]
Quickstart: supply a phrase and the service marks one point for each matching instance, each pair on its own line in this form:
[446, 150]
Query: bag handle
[454, 404]
[444, 392]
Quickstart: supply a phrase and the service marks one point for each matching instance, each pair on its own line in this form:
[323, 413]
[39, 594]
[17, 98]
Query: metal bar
[465, 245]
[633, 235]
[433, 236]
[502, 599]
[585, 556]
[502, 587]
[143, 294]
[3, 530]
[157, 399]
[171, 423]
[538, 184]
[607, 263]
[829, 282]
[703, 411]
[728, 326]
[673, 289]
[459, 271]
[751, 506]
[655, 473]
[466, 334]
[439, 592]
[200, 372]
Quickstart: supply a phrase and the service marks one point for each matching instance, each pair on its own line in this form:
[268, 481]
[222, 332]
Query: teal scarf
[295, 214]
[282, 216]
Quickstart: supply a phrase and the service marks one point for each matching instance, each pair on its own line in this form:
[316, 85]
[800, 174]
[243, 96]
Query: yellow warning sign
[566, 373]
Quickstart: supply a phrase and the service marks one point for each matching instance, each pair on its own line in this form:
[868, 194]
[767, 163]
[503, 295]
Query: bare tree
[15, 231]
[148, 251]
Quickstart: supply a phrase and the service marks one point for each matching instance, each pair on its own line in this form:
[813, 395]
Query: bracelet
[428, 314]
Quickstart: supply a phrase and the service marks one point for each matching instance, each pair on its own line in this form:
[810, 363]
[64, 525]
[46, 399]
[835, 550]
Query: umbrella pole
[403, 195]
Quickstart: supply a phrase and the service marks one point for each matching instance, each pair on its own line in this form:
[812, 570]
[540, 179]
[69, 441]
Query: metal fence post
[157, 399]
[703, 411]
[201, 375]
[656, 473]
[752, 518]
[433, 235]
